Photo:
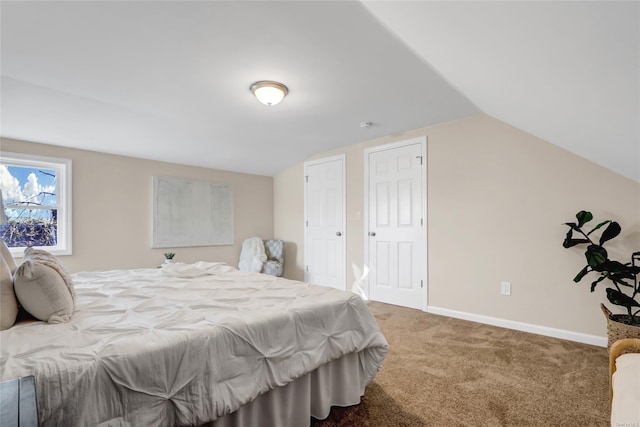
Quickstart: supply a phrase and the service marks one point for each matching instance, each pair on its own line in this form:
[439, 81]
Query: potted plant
[624, 287]
[168, 257]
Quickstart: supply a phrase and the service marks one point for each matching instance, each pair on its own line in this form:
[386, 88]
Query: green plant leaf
[614, 266]
[600, 279]
[610, 267]
[598, 226]
[569, 241]
[610, 232]
[573, 225]
[619, 271]
[618, 298]
[581, 274]
[573, 242]
[596, 255]
[595, 283]
[583, 217]
[620, 281]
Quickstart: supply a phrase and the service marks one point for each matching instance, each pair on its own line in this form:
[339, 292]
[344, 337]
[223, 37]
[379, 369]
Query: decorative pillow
[8, 258]
[43, 287]
[8, 302]
[53, 262]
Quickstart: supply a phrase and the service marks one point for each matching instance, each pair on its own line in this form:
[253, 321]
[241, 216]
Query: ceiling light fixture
[268, 92]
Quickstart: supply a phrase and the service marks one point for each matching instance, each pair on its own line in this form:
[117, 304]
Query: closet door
[325, 222]
[395, 226]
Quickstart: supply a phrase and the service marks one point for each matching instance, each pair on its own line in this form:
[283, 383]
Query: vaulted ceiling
[169, 80]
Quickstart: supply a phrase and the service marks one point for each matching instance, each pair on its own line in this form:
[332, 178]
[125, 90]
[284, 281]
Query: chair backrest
[274, 249]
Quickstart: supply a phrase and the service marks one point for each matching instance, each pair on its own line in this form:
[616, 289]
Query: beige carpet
[448, 372]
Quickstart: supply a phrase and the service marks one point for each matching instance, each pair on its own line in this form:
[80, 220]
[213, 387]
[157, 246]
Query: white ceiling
[169, 80]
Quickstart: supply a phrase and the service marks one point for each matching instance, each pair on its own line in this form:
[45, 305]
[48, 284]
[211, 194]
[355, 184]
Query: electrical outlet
[505, 288]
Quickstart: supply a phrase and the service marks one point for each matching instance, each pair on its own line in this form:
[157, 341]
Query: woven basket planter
[618, 330]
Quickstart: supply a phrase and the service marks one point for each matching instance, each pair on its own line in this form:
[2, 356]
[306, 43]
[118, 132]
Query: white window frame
[63, 197]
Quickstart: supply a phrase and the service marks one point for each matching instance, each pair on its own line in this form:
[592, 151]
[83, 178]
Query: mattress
[184, 345]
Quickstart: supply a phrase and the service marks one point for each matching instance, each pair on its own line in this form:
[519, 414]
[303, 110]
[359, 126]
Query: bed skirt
[333, 384]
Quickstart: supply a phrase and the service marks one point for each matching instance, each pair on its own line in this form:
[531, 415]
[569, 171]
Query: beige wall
[288, 213]
[497, 199]
[112, 208]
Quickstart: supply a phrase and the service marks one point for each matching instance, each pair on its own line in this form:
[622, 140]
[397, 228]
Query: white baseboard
[520, 326]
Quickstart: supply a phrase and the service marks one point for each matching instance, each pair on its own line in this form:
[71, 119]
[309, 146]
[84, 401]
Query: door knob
[372, 233]
[338, 233]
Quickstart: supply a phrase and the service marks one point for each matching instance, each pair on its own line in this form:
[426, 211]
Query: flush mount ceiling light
[268, 92]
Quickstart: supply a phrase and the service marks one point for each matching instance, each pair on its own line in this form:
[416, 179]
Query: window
[36, 203]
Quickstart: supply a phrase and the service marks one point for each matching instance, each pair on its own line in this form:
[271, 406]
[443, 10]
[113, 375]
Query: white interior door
[396, 235]
[325, 222]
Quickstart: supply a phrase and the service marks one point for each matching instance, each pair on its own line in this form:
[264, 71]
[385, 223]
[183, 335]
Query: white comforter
[160, 347]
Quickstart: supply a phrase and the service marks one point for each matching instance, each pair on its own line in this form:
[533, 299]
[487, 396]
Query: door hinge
[421, 284]
[306, 268]
[306, 178]
[421, 221]
[419, 157]
[306, 223]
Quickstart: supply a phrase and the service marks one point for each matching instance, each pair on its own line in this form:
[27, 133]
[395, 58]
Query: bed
[198, 344]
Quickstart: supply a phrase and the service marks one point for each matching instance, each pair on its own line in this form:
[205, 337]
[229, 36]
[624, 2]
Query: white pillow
[8, 302]
[8, 258]
[42, 290]
[52, 261]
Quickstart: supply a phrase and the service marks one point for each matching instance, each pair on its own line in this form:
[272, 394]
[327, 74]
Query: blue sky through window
[27, 186]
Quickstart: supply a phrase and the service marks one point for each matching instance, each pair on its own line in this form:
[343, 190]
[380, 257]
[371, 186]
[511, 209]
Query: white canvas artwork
[191, 213]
